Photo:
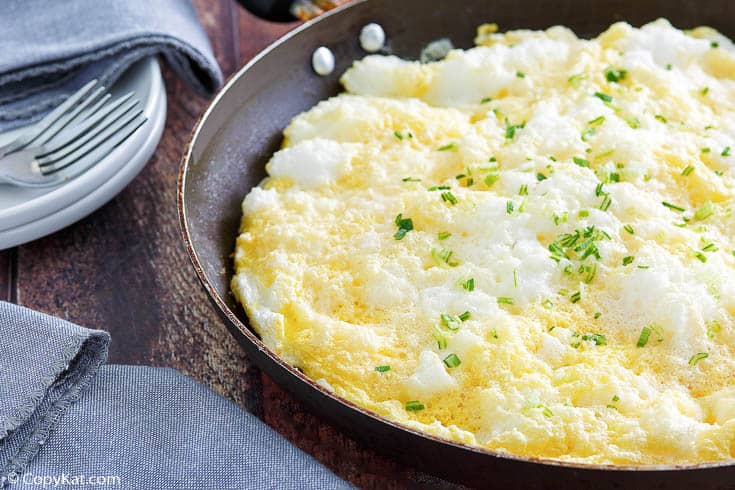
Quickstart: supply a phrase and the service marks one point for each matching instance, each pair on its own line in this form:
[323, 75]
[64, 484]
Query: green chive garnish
[687, 170]
[448, 147]
[443, 235]
[705, 211]
[382, 369]
[597, 338]
[603, 97]
[575, 297]
[452, 361]
[509, 207]
[629, 229]
[673, 207]
[414, 406]
[469, 285]
[505, 301]
[614, 75]
[581, 162]
[725, 151]
[628, 260]
[449, 198]
[698, 357]
[404, 226]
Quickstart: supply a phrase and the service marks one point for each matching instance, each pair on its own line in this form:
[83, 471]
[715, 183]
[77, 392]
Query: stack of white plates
[28, 214]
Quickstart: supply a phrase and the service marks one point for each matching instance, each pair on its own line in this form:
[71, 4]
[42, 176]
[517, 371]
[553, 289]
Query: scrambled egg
[526, 246]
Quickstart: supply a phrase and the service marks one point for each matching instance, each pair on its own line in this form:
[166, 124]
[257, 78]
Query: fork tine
[107, 139]
[89, 161]
[81, 129]
[70, 116]
[47, 121]
[52, 157]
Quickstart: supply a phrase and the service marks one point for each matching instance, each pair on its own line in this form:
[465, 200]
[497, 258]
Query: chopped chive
[710, 247]
[410, 179]
[382, 369]
[449, 198]
[673, 207]
[438, 188]
[661, 118]
[596, 121]
[706, 150]
[575, 79]
[452, 322]
[465, 316]
[714, 44]
[628, 260]
[504, 300]
[585, 136]
[599, 190]
[669, 66]
[443, 235]
[398, 135]
[725, 152]
[523, 190]
[452, 361]
[404, 226]
[605, 204]
[576, 296]
[687, 170]
[491, 178]
[509, 207]
[704, 91]
[583, 213]
[698, 357]
[603, 97]
[629, 229]
[443, 257]
[700, 256]
[520, 74]
[448, 147]
[597, 338]
[547, 412]
[581, 162]
[540, 177]
[441, 340]
[614, 75]
[485, 100]
[705, 211]
[515, 278]
[597, 315]
[643, 338]
[414, 406]
[469, 285]
[633, 122]
[616, 398]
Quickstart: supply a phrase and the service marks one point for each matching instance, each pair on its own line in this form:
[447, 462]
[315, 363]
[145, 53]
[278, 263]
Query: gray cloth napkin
[50, 48]
[65, 416]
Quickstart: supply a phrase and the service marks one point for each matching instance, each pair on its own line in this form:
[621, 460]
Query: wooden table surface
[124, 269]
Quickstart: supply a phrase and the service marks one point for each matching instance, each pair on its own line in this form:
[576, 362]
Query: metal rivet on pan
[322, 61]
[372, 37]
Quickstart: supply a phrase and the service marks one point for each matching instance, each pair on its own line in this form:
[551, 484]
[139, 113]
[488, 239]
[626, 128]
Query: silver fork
[73, 108]
[56, 151]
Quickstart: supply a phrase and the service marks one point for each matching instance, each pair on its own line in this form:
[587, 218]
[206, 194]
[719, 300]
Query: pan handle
[273, 10]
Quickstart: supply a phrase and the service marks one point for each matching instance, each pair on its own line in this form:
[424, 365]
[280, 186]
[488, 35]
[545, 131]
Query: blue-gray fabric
[64, 414]
[50, 48]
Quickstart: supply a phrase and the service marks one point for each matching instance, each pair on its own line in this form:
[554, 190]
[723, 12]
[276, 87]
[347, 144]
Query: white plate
[28, 214]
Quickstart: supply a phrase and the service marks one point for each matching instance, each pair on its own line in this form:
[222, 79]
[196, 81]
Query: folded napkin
[65, 416]
[50, 48]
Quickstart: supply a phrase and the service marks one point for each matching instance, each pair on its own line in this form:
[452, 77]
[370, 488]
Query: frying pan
[241, 129]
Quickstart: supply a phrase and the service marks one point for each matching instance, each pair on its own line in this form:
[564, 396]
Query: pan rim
[184, 166]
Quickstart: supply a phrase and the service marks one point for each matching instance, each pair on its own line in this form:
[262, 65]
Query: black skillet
[242, 127]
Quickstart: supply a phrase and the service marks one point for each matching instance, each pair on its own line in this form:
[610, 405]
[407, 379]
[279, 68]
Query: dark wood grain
[7, 261]
[124, 269]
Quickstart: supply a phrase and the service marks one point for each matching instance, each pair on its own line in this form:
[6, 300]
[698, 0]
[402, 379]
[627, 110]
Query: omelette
[526, 246]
